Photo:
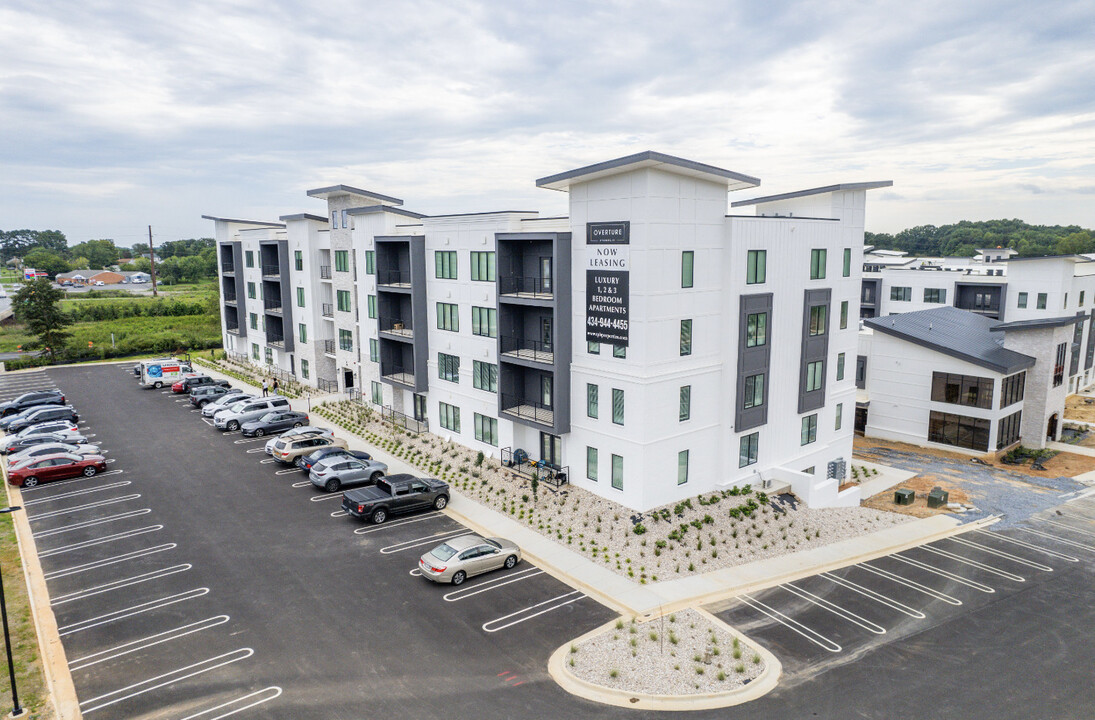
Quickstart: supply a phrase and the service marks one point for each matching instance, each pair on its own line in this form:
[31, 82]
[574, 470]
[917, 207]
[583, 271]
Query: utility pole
[152, 259]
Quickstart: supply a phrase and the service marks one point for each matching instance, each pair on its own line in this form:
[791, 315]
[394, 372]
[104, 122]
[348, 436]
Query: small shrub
[614, 673]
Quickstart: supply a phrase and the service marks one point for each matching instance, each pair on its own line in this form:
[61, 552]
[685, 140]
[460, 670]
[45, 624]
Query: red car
[56, 467]
[181, 385]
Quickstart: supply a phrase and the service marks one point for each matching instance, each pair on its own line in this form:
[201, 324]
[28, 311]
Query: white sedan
[52, 449]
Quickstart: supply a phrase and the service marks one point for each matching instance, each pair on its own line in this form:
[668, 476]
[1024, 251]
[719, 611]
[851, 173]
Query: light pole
[16, 710]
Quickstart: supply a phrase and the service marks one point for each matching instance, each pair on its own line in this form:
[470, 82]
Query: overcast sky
[114, 116]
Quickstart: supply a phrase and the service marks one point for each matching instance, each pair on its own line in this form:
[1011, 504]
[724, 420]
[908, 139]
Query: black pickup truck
[395, 495]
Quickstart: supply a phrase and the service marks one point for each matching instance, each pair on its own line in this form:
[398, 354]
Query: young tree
[37, 305]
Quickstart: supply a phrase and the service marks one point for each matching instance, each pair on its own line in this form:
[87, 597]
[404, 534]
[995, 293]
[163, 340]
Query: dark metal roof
[814, 191]
[383, 208]
[650, 158]
[258, 223]
[1073, 258]
[303, 216]
[958, 333]
[336, 190]
[1039, 323]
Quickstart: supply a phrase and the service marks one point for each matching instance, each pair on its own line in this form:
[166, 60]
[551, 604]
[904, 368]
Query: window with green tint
[617, 472]
[304, 369]
[592, 392]
[378, 392]
[817, 264]
[254, 351]
[342, 260]
[447, 317]
[591, 463]
[593, 348]
[445, 264]
[756, 267]
[298, 260]
[843, 314]
[1022, 301]
[484, 321]
[686, 337]
[302, 330]
[815, 372]
[450, 416]
[346, 340]
[254, 321]
[1042, 297]
[688, 258]
[618, 406]
[251, 290]
[756, 329]
[840, 366]
[747, 449]
[372, 306]
[619, 351]
[486, 429]
[484, 376]
[343, 299]
[269, 356]
[682, 467]
[482, 267]
[754, 391]
[300, 297]
[839, 415]
[374, 350]
[819, 319]
[249, 259]
[685, 411]
[370, 262]
[448, 367]
[809, 429]
[847, 270]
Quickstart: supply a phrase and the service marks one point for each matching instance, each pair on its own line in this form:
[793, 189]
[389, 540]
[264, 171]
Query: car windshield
[443, 551]
[281, 444]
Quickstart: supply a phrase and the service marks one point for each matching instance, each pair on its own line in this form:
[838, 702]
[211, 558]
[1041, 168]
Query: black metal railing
[273, 304]
[519, 462]
[228, 267]
[404, 421]
[328, 310]
[275, 340]
[230, 299]
[325, 272]
[271, 270]
[396, 326]
[241, 358]
[528, 349]
[397, 373]
[327, 386]
[525, 285]
[329, 347]
[394, 277]
[355, 395]
[233, 327]
[528, 409]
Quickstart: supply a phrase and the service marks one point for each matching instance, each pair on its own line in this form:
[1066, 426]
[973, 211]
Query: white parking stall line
[1038, 548]
[427, 540]
[207, 421]
[340, 513]
[302, 483]
[110, 561]
[872, 595]
[835, 609]
[791, 624]
[911, 584]
[109, 538]
[415, 573]
[131, 611]
[1069, 527]
[288, 471]
[1002, 554]
[267, 461]
[464, 593]
[320, 498]
[493, 626]
[111, 460]
[74, 493]
[256, 450]
[116, 584]
[397, 523]
[973, 563]
[166, 392]
[169, 678]
[256, 698]
[943, 573]
[92, 523]
[82, 478]
[146, 642]
[183, 400]
[228, 433]
[91, 435]
[247, 440]
[1057, 538]
[78, 508]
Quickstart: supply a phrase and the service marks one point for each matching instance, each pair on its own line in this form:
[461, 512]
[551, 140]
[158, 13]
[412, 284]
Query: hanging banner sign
[608, 282]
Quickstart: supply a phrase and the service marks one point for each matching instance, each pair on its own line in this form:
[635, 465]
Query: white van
[236, 414]
[157, 373]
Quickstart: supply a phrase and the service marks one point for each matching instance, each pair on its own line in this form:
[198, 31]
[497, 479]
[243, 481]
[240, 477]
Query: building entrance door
[545, 274]
[551, 449]
[545, 334]
[1051, 428]
[348, 379]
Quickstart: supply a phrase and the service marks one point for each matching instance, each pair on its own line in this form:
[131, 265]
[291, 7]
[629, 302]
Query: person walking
[275, 386]
[264, 387]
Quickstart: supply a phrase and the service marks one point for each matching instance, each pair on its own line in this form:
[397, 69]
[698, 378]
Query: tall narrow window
[345, 219]
[482, 267]
[685, 411]
[1022, 303]
[839, 415]
[747, 449]
[377, 392]
[682, 467]
[343, 299]
[686, 337]
[484, 321]
[445, 264]
[298, 260]
[447, 317]
[370, 262]
[251, 290]
[249, 258]
[847, 270]
[448, 367]
[342, 260]
[304, 369]
[754, 392]
[840, 366]
[687, 261]
[843, 314]
[815, 371]
[617, 472]
[809, 429]
[484, 376]
[755, 267]
[254, 321]
[591, 463]
[817, 264]
[819, 319]
[1042, 297]
[756, 329]
[254, 351]
[372, 306]
[592, 392]
[618, 406]
[346, 340]
[374, 350]
[300, 297]
[302, 329]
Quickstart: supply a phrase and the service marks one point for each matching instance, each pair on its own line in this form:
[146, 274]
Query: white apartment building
[648, 346]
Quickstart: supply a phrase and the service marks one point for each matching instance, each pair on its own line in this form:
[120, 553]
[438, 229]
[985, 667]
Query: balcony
[227, 266]
[271, 271]
[329, 347]
[230, 298]
[539, 288]
[525, 349]
[527, 409]
[275, 340]
[232, 327]
[395, 326]
[328, 310]
[324, 272]
[272, 305]
[394, 278]
[399, 374]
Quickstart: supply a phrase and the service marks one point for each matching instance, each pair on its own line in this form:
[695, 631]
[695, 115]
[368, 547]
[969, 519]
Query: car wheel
[333, 485]
[203, 403]
[459, 577]
[380, 516]
[233, 425]
[510, 562]
[375, 476]
[30, 482]
[440, 502]
[298, 424]
[89, 471]
[260, 432]
[157, 384]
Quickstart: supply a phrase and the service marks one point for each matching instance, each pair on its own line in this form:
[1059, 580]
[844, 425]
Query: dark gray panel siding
[752, 361]
[1089, 360]
[814, 348]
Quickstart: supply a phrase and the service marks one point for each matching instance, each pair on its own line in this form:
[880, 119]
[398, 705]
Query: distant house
[135, 276]
[90, 277]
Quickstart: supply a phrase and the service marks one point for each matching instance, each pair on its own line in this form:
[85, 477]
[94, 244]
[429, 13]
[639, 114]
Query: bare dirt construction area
[1080, 407]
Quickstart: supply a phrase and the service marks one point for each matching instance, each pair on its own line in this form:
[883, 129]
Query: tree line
[963, 239]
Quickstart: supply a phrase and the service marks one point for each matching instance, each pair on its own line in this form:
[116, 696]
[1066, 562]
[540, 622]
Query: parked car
[31, 399]
[395, 495]
[36, 416]
[338, 472]
[456, 560]
[205, 394]
[99, 283]
[52, 448]
[56, 467]
[273, 422]
[17, 443]
[287, 450]
[302, 431]
[25, 413]
[189, 382]
[218, 404]
[306, 462]
[63, 427]
[232, 417]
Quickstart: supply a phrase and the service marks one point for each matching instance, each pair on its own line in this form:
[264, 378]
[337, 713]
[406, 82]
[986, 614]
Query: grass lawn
[186, 331]
[29, 676]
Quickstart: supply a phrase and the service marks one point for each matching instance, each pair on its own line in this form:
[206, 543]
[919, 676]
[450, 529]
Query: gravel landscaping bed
[681, 654]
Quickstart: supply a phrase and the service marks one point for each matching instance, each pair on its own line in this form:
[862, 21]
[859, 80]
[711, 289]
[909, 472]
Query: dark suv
[196, 381]
[41, 415]
[28, 400]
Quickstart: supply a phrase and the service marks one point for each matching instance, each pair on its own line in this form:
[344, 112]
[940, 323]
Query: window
[962, 389]
[1042, 301]
[847, 262]
[447, 317]
[809, 429]
[484, 376]
[815, 371]
[302, 331]
[450, 416]
[618, 406]
[344, 302]
[1007, 431]
[269, 356]
[685, 411]
[818, 319]
[1012, 388]
[592, 393]
[482, 267]
[756, 329]
[860, 371]
[682, 467]
[617, 472]
[747, 449]
[445, 264]
[370, 262]
[372, 306]
[688, 258]
[843, 314]
[334, 219]
[486, 429]
[300, 297]
[298, 260]
[1082, 297]
[958, 430]
[378, 393]
[935, 295]
[755, 267]
[374, 350]
[484, 321]
[251, 290]
[593, 348]
[1059, 366]
[1064, 305]
[754, 392]
[619, 351]
[249, 258]
[304, 369]
[346, 340]
[254, 351]
[1022, 300]
[817, 264]
[345, 219]
[901, 294]
[448, 367]
[839, 415]
[342, 260]
[591, 463]
[254, 321]
[840, 367]
[686, 337]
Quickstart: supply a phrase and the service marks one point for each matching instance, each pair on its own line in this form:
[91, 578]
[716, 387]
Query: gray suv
[236, 414]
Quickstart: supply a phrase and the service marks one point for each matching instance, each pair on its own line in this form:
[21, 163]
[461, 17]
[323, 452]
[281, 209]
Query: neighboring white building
[649, 345]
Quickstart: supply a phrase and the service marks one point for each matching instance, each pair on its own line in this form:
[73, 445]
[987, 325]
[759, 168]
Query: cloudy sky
[114, 116]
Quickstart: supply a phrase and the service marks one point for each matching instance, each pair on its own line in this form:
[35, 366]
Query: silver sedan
[455, 560]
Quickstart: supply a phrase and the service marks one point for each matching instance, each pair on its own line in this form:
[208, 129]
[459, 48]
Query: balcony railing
[327, 386]
[232, 327]
[324, 272]
[272, 304]
[537, 287]
[395, 326]
[519, 462]
[230, 299]
[271, 270]
[329, 347]
[275, 340]
[526, 349]
[404, 421]
[228, 266]
[399, 374]
[527, 409]
[328, 310]
[394, 278]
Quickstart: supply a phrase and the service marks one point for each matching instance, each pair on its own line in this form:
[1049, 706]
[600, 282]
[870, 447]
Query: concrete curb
[759, 687]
